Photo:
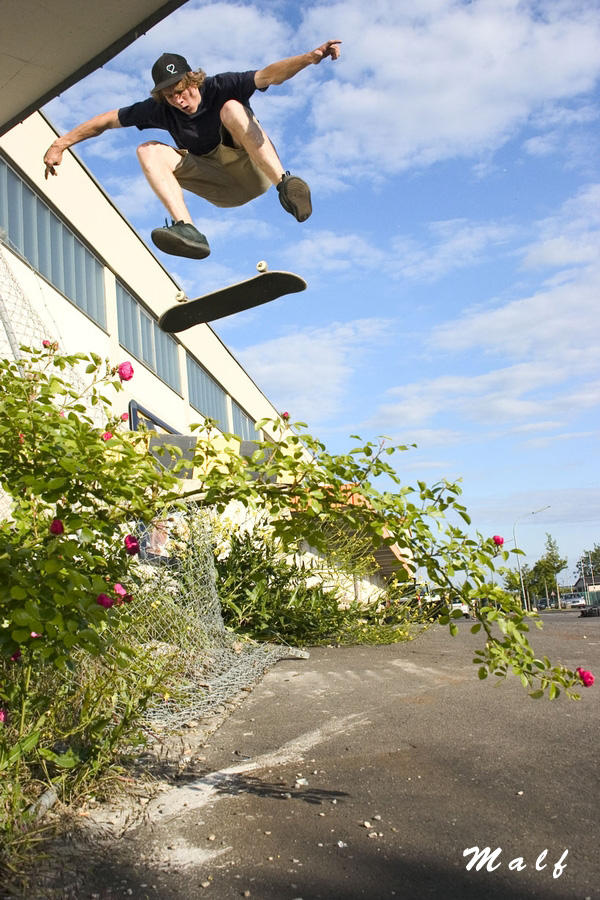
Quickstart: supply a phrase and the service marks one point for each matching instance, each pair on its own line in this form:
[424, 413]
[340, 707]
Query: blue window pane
[167, 358]
[51, 248]
[147, 342]
[243, 426]
[69, 264]
[44, 263]
[206, 395]
[140, 334]
[4, 200]
[30, 242]
[57, 258]
[15, 210]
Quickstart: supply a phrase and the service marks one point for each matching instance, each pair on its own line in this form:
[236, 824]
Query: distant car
[463, 608]
[579, 603]
[542, 604]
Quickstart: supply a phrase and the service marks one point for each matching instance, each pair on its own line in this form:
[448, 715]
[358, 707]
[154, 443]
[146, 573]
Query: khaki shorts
[225, 177]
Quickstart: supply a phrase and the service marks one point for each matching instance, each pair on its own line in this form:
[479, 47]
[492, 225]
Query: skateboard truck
[261, 266]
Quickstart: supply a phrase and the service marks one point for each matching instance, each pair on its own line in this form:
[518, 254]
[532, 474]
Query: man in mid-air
[223, 154]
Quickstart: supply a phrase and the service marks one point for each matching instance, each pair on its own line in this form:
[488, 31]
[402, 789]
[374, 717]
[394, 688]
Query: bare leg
[158, 161]
[247, 133]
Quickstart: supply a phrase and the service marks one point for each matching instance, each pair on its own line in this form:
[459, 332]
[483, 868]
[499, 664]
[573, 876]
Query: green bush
[72, 685]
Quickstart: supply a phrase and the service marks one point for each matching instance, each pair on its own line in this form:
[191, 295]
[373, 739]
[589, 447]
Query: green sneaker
[181, 239]
[294, 196]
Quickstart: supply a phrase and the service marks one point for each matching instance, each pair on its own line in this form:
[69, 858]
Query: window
[243, 425]
[206, 395]
[49, 246]
[140, 334]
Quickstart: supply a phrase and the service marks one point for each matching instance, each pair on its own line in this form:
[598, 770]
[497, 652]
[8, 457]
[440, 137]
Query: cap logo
[171, 68]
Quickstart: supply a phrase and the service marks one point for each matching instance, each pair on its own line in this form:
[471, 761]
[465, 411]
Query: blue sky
[453, 253]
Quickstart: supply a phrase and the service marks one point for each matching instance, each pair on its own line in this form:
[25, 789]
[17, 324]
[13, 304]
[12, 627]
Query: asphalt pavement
[367, 772]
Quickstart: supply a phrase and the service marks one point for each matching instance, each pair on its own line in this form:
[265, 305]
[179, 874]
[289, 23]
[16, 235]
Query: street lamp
[532, 513]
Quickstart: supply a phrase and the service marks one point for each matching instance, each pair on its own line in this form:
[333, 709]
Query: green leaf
[66, 760]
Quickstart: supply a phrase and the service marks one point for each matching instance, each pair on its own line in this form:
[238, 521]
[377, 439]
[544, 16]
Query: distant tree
[541, 580]
[588, 564]
[512, 579]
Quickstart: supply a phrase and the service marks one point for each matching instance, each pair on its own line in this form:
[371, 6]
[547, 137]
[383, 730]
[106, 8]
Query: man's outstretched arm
[91, 128]
[278, 72]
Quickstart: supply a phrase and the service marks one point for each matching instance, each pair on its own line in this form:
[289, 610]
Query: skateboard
[262, 288]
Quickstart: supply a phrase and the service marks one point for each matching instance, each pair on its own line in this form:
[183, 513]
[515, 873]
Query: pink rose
[34, 634]
[16, 655]
[104, 600]
[2, 716]
[107, 436]
[125, 371]
[498, 540]
[132, 545]
[46, 343]
[285, 416]
[586, 678]
[122, 595]
[124, 417]
[56, 526]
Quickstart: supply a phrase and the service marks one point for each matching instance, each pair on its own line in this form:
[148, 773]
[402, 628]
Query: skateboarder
[223, 154]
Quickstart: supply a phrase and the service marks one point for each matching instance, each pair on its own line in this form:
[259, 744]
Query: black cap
[169, 69]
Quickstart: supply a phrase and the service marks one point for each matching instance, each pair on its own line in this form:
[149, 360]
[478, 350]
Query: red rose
[56, 526]
[125, 371]
[586, 678]
[132, 545]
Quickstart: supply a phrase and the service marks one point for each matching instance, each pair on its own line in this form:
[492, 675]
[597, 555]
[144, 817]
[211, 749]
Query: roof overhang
[47, 47]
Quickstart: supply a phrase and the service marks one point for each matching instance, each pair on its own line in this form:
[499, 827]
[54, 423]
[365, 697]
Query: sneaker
[294, 196]
[181, 239]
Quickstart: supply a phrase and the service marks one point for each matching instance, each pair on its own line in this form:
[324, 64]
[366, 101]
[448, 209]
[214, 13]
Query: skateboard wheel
[180, 297]
[262, 266]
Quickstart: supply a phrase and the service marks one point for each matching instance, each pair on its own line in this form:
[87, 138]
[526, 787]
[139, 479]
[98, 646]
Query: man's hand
[278, 72]
[329, 48]
[52, 158]
[91, 128]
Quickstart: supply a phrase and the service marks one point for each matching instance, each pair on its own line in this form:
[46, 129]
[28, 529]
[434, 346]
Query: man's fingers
[329, 48]
[332, 49]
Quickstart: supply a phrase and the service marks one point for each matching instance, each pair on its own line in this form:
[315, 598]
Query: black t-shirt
[201, 132]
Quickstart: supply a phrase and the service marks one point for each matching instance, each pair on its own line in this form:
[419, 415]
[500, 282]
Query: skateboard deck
[229, 300]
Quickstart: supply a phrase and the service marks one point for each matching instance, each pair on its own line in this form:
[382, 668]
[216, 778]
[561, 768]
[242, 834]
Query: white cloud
[328, 252]
[421, 83]
[558, 324]
[455, 244]
[309, 370]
